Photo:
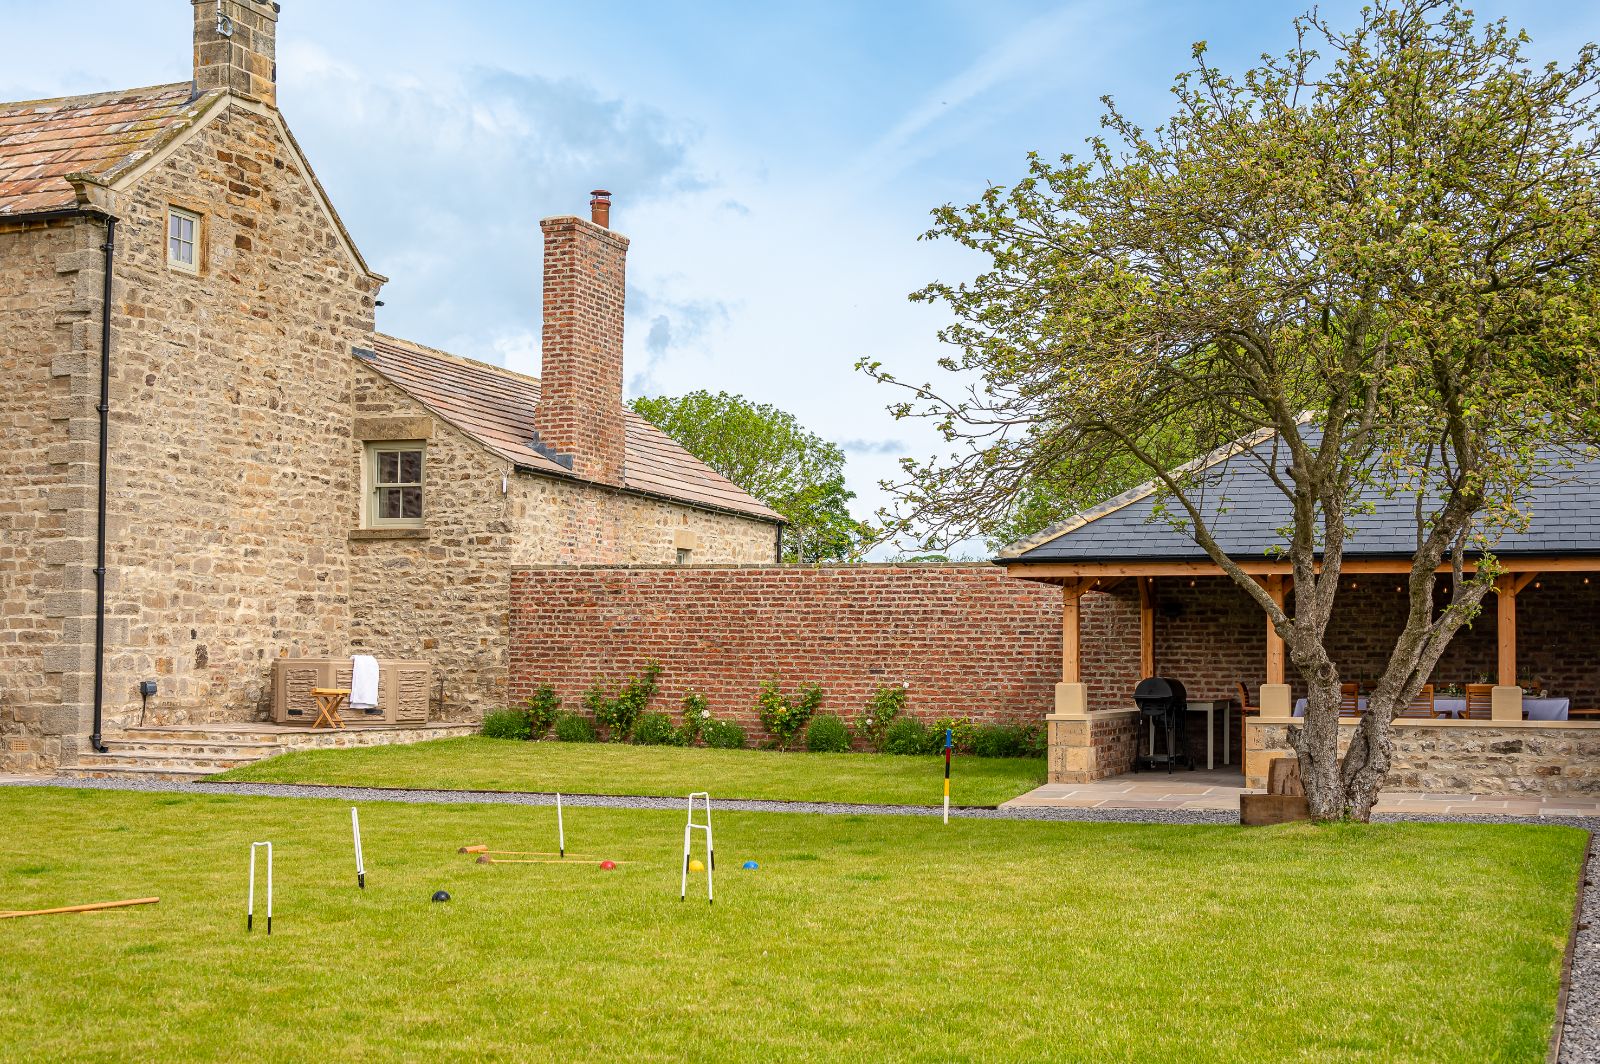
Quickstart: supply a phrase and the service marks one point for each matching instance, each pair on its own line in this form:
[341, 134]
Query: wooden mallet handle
[81, 908]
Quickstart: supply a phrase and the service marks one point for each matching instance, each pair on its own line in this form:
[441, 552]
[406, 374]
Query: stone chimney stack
[579, 415]
[236, 47]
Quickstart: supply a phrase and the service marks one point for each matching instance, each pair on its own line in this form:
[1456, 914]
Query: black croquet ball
[441, 895]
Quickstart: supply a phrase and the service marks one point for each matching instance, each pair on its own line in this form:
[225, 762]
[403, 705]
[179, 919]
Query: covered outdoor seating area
[1512, 707]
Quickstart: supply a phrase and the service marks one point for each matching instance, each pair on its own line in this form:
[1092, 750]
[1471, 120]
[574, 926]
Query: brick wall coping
[774, 566]
[1102, 714]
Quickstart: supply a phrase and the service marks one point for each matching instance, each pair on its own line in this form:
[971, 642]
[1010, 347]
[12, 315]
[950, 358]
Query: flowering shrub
[696, 715]
[722, 734]
[886, 704]
[617, 715]
[541, 711]
[783, 717]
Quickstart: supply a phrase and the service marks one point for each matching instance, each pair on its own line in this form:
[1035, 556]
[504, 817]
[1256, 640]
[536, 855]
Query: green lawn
[860, 938]
[605, 768]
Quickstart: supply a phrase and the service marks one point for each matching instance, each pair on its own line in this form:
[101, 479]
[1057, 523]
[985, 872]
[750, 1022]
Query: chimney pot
[600, 208]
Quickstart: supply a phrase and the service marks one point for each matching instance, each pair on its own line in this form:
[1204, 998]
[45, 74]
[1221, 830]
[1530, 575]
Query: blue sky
[773, 163]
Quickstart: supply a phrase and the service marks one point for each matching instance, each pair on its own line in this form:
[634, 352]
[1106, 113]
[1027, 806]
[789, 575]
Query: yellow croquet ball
[696, 866]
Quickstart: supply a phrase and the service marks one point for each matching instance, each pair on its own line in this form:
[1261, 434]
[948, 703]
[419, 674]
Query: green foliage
[1378, 249]
[883, 708]
[908, 735]
[696, 712]
[618, 714]
[657, 729]
[505, 724]
[827, 734]
[722, 734]
[962, 733]
[784, 717]
[541, 711]
[574, 728]
[770, 455]
[1007, 740]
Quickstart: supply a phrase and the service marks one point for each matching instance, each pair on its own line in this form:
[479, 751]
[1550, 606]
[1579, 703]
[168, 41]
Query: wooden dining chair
[1480, 702]
[1349, 700]
[1422, 705]
[1244, 699]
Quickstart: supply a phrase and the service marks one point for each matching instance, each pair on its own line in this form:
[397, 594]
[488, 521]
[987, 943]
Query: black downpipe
[778, 546]
[110, 250]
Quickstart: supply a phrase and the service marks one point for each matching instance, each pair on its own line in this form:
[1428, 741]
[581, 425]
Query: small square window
[394, 471]
[683, 555]
[183, 240]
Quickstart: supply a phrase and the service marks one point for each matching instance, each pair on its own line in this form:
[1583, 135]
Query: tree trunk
[1318, 744]
[1366, 763]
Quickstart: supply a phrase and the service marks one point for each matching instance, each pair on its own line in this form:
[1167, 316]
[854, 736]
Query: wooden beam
[1147, 629]
[1506, 622]
[1521, 581]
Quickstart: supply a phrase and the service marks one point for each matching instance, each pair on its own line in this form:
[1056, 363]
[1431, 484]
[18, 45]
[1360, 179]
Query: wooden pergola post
[1275, 700]
[1147, 628]
[1507, 697]
[1072, 696]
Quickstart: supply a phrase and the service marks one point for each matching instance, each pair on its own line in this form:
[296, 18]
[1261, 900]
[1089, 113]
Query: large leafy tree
[769, 454]
[1378, 250]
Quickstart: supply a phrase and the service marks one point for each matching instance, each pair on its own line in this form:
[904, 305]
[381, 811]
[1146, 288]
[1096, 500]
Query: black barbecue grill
[1162, 703]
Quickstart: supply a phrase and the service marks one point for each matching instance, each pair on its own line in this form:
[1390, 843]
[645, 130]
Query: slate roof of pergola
[1245, 511]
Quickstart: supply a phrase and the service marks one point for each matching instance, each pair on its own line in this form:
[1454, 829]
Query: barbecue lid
[1159, 687]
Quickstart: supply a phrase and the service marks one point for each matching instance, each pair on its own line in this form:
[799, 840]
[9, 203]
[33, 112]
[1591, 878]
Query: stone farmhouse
[213, 460]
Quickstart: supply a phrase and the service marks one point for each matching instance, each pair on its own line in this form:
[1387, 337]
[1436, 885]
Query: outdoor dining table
[1532, 708]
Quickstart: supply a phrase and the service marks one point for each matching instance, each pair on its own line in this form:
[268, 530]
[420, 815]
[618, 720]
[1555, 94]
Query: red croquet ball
[608, 865]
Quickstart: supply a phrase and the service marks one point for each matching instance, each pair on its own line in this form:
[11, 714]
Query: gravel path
[1580, 1040]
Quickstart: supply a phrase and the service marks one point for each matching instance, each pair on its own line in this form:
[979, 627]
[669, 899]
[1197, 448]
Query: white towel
[363, 681]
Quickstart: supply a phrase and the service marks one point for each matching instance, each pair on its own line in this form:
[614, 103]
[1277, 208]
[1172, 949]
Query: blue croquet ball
[441, 895]
[751, 865]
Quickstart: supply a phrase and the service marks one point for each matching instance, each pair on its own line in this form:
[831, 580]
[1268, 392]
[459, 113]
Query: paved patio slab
[1216, 792]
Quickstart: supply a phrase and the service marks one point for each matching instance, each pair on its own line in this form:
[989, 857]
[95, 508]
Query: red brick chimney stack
[580, 402]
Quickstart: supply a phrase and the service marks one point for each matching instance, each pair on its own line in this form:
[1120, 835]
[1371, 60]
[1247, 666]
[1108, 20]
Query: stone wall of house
[231, 468]
[50, 298]
[566, 522]
[969, 640]
[1514, 758]
[442, 593]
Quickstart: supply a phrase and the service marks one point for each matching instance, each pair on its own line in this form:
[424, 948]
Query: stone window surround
[377, 434]
[198, 220]
[375, 450]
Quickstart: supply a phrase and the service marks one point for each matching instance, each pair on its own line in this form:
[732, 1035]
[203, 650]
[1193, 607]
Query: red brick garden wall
[971, 641]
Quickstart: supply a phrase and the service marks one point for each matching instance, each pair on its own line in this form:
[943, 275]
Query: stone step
[194, 747]
[131, 772]
[219, 734]
[150, 759]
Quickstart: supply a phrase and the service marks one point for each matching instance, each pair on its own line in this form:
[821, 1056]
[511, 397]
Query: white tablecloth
[1532, 708]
